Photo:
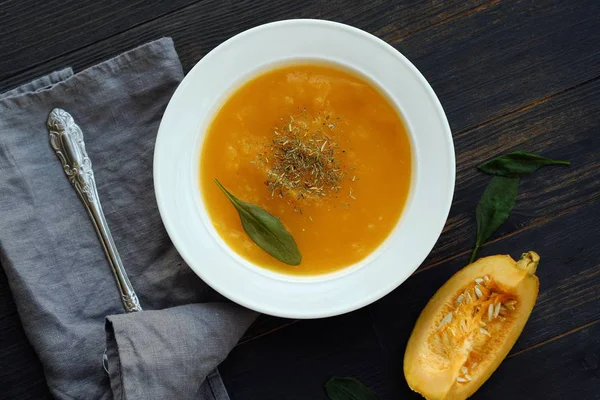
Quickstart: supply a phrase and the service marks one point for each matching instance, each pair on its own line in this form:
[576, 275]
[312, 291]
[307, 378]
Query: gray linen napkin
[58, 273]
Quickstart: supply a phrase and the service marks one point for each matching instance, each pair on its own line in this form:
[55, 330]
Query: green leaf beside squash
[348, 389]
[494, 208]
[517, 164]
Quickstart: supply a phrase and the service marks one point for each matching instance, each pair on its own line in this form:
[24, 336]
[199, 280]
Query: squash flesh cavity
[470, 325]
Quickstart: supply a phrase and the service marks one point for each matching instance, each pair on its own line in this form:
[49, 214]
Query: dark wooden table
[510, 74]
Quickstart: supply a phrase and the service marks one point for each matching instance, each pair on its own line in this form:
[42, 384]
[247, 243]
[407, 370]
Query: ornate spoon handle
[66, 139]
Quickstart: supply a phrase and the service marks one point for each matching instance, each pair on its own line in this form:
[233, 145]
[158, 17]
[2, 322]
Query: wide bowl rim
[261, 305]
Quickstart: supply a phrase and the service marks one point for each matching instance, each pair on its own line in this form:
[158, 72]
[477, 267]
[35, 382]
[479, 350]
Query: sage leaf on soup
[494, 207]
[348, 389]
[265, 230]
[517, 163]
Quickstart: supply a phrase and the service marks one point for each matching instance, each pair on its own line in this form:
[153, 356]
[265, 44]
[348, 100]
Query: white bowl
[198, 98]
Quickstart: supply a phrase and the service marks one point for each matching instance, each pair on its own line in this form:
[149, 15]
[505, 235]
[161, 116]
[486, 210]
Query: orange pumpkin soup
[318, 147]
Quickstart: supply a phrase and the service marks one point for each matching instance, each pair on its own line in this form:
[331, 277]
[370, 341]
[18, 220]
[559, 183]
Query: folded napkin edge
[39, 83]
[121, 60]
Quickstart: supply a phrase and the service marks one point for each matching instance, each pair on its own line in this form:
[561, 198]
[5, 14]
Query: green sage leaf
[494, 207]
[517, 163]
[265, 230]
[348, 389]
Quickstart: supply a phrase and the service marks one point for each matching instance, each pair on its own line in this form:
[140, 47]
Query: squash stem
[529, 262]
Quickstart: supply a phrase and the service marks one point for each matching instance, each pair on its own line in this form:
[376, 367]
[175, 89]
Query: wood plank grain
[509, 54]
[293, 364]
[569, 275]
[34, 32]
[199, 28]
[21, 375]
[7, 304]
[564, 127]
[567, 368]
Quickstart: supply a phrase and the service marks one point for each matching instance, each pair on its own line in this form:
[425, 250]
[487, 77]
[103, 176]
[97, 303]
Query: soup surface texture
[318, 147]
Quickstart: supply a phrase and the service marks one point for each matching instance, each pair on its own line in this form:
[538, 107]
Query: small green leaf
[517, 163]
[494, 207]
[265, 230]
[348, 389]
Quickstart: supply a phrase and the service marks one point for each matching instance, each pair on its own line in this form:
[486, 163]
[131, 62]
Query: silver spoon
[66, 139]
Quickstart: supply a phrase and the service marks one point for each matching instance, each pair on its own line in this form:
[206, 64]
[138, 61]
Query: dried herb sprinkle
[303, 159]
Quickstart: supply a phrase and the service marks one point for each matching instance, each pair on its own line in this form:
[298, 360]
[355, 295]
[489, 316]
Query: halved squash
[469, 326]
